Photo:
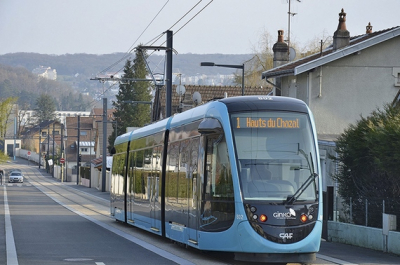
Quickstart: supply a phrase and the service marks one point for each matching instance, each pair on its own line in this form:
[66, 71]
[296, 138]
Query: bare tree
[6, 107]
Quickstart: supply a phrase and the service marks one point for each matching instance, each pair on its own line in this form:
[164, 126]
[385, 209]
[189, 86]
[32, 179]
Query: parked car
[16, 176]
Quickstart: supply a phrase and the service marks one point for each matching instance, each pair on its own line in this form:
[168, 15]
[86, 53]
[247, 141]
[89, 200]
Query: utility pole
[104, 166]
[290, 14]
[40, 147]
[52, 174]
[169, 49]
[78, 150]
[62, 151]
[168, 103]
[48, 148]
[15, 135]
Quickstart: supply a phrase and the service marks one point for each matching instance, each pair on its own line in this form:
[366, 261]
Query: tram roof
[149, 129]
[264, 103]
[233, 104]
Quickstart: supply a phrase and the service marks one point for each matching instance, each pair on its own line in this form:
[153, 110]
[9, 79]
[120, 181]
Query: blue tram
[238, 174]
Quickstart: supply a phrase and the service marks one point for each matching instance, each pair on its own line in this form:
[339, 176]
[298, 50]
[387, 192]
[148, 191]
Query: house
[27, 117]
[45, 72]
[97, 163]
[43, 138]
[350, 79]
[97, 114]
[79, 145]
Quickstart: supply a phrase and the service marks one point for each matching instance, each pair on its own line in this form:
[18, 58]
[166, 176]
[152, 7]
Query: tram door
[193, 179]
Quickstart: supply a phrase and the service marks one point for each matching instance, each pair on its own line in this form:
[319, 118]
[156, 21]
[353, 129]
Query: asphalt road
[54, 223]
[47, 233]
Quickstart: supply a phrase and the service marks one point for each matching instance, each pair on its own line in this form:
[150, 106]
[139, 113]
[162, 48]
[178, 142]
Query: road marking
[100, 263]
[163, 253]
[337, 261]
[10, 243]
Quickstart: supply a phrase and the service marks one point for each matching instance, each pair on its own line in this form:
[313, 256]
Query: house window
[83, 133]
[396, 74]
[44, 134]
[84, 150]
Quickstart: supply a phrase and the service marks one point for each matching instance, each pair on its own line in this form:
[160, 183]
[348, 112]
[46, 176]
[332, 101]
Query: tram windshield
[276, 156]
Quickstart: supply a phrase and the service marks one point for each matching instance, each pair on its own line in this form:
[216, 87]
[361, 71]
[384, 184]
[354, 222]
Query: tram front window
[276, 156]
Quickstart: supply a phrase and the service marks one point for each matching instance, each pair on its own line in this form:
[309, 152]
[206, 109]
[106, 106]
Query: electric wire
[128, 53]
[131, 48]
[154, 40]
[177, 22]
[184, 24]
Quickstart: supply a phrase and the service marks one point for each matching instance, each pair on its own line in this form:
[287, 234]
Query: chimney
[341, 37]
[281, 51]
[368, 28]
[281, 57]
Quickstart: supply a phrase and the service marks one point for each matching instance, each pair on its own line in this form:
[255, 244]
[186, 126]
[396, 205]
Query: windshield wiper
[292, 199]
[310, 179]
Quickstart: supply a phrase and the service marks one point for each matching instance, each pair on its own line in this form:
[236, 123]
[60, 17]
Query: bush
[368, 154]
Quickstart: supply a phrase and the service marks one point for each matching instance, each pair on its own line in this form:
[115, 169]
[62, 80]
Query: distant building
[28, 116]
[45, 72]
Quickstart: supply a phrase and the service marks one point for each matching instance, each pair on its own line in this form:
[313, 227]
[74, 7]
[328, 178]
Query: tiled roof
[207, 93]
[289, 69]
[98, 112]
[97, 162]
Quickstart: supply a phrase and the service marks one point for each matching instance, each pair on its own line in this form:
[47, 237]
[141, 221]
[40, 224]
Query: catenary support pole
[104, 166]
[168, 102]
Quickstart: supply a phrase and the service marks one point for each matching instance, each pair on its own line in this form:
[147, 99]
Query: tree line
[18, 82]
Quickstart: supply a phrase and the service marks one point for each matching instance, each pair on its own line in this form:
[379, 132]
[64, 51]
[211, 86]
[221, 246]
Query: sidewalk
[92, 191]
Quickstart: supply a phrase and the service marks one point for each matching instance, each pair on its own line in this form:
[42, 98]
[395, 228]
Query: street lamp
[237, 66]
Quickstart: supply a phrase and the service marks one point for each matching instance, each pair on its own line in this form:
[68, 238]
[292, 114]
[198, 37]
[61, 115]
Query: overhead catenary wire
[176, 22]
[184, 24]
[154, 40]
[130, 50]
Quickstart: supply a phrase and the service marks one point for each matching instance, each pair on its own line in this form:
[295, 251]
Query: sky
[220, 26]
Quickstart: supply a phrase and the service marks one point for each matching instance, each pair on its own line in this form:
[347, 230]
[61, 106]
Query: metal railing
[369, 211]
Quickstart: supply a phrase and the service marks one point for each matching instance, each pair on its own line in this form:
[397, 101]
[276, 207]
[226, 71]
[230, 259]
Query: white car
[16, 176]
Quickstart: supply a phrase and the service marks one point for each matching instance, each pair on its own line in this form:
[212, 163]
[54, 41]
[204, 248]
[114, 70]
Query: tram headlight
[263, 218]
[303, 218]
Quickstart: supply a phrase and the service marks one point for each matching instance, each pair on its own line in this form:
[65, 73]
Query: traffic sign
[62, 160]
[29, 153]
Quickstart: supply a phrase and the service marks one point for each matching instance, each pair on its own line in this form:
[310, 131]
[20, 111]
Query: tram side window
[118, 173]
[219, 173]
[131, 172]
[172, 173]
[149, 177]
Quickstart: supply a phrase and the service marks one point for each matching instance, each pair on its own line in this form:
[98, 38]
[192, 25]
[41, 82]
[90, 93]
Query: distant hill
[74, 72]
[90, 64]
[21, 83]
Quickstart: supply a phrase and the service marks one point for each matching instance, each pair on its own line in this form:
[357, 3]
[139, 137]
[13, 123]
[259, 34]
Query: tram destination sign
[275, 122]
